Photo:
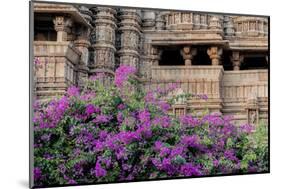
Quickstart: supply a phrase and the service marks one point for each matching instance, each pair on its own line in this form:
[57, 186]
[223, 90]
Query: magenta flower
[90, 109]
[37, 61]
[158, 145]
[190, 121]
[73, 91]
[190, 141]
[144, 116]
[128, 137]
[88, 95]
[190, 170]
[121, 106]
[247, 128]
[102, 119]
[120, 117]
[230, 154]
[37, 173]
[99, 171]
[97, 76]
[122, 73]
[164, 121]
[71, 181]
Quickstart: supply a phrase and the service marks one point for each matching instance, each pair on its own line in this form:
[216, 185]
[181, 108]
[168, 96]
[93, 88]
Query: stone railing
[54, 48]
[182, 73]
[192, 79]
[245, 83]
[250, 26]
[186, 21]
[57, 67]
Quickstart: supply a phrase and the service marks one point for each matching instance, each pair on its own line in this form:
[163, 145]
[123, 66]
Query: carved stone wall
[104, 44]
[130, 37]
[98, 39]
[57, 68]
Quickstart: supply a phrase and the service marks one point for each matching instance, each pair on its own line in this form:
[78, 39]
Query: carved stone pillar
[104, 46]
[188, 53]
[148, 19]
[229, 26]
[160, 21]
[236, 60]
[63, 27]
[214, 23]
[203, 21]
[82, 43]
[130, 37]
[197, 23]
[215, 55]
[151, 56]
[86, 13]
[252, 109]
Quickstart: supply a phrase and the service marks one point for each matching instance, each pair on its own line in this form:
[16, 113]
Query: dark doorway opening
[201, 57]
[44, 28]
[226, 60]
[171, 57]
[254, 62]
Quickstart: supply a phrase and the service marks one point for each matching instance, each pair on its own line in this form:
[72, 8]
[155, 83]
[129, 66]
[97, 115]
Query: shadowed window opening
[254, 62]
[226, 60]
[201, 57]
[44, 29]
[171, 57]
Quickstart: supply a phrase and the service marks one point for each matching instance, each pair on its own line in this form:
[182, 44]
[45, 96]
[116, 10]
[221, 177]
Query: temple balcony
[57, 67]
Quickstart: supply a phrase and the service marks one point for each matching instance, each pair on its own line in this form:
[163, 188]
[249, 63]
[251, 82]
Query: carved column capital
[63, 27]
[236, 60]
[215, 54]
[62, 23]
[188, 53]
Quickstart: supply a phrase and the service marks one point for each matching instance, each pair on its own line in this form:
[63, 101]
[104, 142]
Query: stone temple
[222, 56]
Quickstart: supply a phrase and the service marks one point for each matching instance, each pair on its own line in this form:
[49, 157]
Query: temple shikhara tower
[222, 56]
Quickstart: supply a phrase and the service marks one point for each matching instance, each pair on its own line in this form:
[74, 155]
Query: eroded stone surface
[224, 56]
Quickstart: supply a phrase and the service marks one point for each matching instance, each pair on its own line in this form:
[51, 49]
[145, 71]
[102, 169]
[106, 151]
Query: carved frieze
[129, 37]
[246, 26]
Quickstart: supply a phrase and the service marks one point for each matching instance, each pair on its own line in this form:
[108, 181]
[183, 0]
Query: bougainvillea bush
[120, 133]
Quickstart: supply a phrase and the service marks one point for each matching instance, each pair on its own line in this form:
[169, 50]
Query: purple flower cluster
[190, 121]
[90, 109]
[214, 119]
[247, 128]
[37, 173]
[122, 73]
[51, 116]
[190, 141]
[99, 171]
[189, 169]
[73, 91]
[90, 136]
[102, 118]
